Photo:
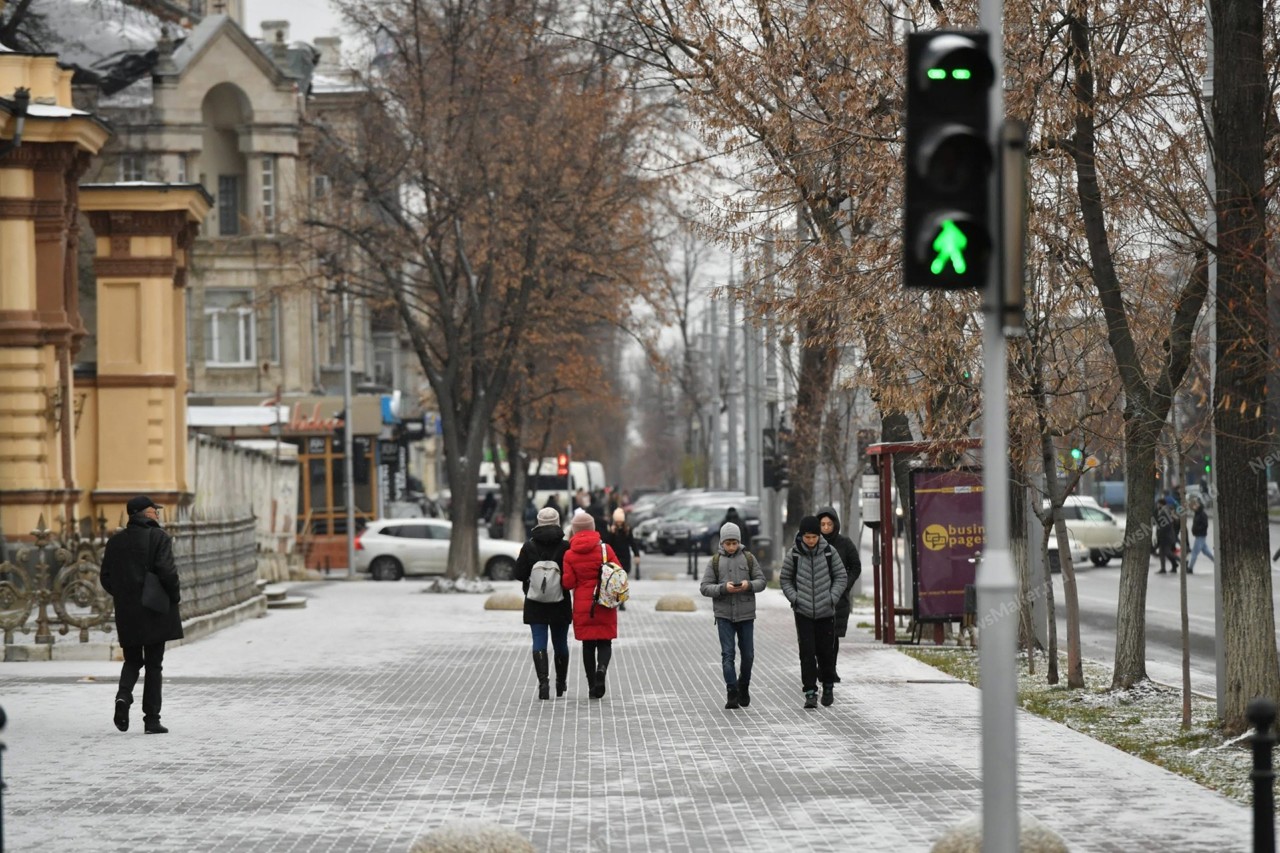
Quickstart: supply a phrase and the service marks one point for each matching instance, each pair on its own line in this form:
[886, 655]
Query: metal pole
[348, 468]
[735, 384]
[3, 720]
[1211, 321]
[997, 584]
[715, 477]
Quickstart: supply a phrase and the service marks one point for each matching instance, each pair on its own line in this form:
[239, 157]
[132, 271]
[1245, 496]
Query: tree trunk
[813, 386]
[1075, 666]
[1239, 111]
[1140, 435]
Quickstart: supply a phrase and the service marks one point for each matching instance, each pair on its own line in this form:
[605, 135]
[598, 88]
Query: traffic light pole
[997, 584]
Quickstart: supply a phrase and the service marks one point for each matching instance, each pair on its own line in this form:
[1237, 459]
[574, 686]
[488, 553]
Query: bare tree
[491, 179]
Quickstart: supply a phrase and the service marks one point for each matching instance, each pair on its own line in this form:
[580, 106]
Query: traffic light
[949, 230]
[1077, 455]
[562, 465]
[1208, 465]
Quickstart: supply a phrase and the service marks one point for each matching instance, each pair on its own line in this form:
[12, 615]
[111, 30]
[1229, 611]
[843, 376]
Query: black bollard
[3, 720]
[1262, 713]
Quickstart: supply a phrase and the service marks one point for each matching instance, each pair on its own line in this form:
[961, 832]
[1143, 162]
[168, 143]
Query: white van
[545, 482]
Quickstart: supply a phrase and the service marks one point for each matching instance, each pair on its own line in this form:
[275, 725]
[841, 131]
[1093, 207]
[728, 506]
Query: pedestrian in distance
[1199, 535]
[1167, 534]
[731, 516]
[139, 573]
[731, 580]
[829, 520]
[812, 580]
[620, 538]
[595, 626]
[545, 613]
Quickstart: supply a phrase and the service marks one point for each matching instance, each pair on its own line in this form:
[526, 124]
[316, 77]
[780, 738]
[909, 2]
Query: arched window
[222, 167]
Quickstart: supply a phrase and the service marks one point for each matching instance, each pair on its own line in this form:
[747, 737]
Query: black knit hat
[810, 524]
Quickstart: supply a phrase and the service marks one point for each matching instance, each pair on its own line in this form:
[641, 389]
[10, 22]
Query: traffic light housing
[1208, 464]
[949, 228]
[562, 465]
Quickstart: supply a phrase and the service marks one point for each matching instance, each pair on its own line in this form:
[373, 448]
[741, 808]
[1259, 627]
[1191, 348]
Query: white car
[1079, 553]
[392, 548]
[1095, 527]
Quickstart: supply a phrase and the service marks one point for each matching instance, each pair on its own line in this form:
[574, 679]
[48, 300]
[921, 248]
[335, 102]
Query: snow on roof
[321, 83]
[96, 35]
[197, 39]
[139, 93]
[53, 111]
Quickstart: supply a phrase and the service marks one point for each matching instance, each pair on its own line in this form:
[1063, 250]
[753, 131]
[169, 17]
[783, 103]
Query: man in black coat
[142, 548]
[848, 551]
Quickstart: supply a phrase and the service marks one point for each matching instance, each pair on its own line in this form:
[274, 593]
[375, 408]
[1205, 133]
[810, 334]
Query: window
[229, 328]
[320, 187]
[269, 194]
[1091, 514]
[182, 169]
[228, 205]
[385, 349]
[133, 167]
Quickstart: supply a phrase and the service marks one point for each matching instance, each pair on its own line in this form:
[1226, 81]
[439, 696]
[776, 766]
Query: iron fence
[51, 584]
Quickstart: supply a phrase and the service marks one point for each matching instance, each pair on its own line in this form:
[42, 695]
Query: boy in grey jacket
[813, 578]
[732, 579]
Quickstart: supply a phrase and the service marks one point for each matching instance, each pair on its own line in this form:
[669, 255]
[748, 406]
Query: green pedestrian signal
[949, 248]
[1207, 464]
[949, 229]
[1077, 454]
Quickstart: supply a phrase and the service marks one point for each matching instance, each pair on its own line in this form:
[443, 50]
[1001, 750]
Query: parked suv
[393, 548]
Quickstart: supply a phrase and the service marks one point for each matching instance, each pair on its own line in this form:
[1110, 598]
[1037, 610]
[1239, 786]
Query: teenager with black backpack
[813, 579]
[548, 608]
[731, 580]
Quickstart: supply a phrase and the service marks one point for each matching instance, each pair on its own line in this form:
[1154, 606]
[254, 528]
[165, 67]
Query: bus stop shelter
[890, 602]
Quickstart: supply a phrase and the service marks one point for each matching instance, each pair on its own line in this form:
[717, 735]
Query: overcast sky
[307, 19]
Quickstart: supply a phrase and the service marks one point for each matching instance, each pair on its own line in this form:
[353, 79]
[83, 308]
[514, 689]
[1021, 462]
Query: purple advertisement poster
[946, 533]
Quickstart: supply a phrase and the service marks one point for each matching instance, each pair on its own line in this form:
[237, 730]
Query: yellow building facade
[69, 448]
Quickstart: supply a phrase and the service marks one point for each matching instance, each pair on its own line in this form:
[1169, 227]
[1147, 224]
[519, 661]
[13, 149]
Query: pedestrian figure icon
[949, 245]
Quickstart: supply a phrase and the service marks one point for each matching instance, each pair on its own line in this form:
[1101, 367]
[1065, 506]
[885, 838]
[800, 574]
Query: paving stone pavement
[378, 713]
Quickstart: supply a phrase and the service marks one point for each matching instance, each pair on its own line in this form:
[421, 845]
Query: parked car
[1079, 553]
[1096, 528]
[697, 528]
[393, 548]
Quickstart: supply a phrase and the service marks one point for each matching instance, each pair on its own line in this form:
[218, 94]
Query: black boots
[597, 686]
[540, 666]
[153, 727]
[121, 717]
[810, 700]
[744, 694]
[733, 701]
[827, 696]
[562, 674]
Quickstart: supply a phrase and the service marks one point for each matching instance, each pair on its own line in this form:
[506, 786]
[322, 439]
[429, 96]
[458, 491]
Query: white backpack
[544, 582]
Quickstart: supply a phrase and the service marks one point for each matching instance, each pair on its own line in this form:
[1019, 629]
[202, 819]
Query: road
[1099, 592]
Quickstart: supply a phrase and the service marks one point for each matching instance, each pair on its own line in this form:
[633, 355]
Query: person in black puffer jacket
[547, 542]
[848, 551]
[812, 579]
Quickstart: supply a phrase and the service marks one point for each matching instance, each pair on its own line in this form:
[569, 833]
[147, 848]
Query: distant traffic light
[948, 227]
[562, 465]
[1208, 464]
[1077, 454]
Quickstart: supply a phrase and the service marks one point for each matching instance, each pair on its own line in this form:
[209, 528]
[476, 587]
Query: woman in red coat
[595, 626]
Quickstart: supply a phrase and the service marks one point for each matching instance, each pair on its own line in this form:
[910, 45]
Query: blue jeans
[559, 637]
[1199, 545]
[745, 632]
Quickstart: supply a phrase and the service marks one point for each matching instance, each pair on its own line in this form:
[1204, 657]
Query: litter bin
[762, 547]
